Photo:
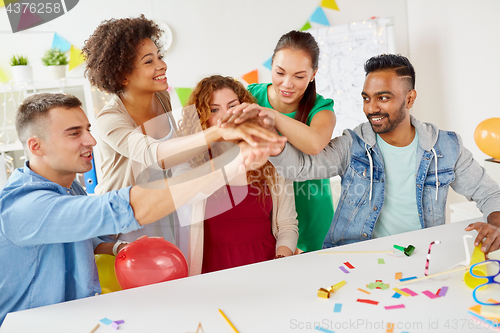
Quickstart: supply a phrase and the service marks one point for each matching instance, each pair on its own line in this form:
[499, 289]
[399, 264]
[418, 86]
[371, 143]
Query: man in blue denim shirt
[48, 223]
[364, 158]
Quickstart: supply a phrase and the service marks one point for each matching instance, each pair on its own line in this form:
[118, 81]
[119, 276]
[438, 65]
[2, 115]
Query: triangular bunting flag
[27, 19]
[268, 63]
[183, 94]
[75, 57]
[306, 26]
[319, 17]
[60, 43]
[3, 76]
[329, 4]
[251, 77]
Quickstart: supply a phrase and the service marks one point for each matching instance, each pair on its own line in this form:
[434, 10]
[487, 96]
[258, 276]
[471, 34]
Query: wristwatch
[117, 244]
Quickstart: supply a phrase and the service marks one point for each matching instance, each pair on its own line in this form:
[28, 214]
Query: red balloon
[147, 261]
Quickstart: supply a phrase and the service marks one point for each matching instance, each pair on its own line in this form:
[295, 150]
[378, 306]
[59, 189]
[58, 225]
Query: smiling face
[149, 70]
[291, 73]
[222, 100]
[387, 100]
[67, 147]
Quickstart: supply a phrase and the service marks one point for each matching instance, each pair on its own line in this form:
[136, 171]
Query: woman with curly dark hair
[135, 130]
[248, 221]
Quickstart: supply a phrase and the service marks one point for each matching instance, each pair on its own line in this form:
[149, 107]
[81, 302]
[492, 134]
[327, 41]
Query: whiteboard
[343, 51]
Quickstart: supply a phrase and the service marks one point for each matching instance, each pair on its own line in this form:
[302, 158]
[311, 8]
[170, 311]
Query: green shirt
[313, 198]
[399, 213]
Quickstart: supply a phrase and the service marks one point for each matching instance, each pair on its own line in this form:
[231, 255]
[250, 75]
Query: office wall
[454, 46]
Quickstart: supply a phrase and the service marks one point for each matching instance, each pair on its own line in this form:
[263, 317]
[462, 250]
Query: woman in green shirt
[305, 118]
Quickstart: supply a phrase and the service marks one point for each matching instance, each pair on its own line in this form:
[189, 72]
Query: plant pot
[22, 73]
[56, 72]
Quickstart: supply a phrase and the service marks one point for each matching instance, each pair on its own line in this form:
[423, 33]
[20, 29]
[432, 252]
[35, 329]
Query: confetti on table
[338, 307]
[381, 261]
[321, 329]
[390, 328]
[400, 292]
[369, 301]
[398, 276]
[396, 295]
[114, 325]
[343, 269]
[228, 321]
[429, 294]
[366, 292]
[106, 321]
[409, 291]
[442, 291]
[348, 264]
[119, 321]
[392, 307]
[437, 292]
[384, 286]
[408, 278]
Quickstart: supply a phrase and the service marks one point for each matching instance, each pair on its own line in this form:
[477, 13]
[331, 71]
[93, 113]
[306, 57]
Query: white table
[281, 295]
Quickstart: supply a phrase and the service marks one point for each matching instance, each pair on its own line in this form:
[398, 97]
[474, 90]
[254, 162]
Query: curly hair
[111, 50]
[193, 122]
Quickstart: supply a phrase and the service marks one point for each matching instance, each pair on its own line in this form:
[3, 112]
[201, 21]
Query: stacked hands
[252, 128]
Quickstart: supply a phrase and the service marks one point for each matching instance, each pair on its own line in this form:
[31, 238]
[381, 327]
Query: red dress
[240, 235]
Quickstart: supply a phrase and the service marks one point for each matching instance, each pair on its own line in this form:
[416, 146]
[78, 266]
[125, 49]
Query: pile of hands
[252, 128]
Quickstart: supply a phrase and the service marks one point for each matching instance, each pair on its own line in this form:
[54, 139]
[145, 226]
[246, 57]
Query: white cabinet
[12, 95]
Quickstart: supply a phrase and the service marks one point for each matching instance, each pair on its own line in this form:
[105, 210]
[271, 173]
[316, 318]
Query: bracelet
[117, 244]
[279, 256]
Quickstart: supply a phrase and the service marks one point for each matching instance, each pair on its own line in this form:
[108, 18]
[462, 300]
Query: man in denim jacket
[48, 224]
[395, 170]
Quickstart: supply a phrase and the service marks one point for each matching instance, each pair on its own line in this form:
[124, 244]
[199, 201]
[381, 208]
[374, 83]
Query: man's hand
[488, 233]
[251, 133]
[263, 116]
[255, 157]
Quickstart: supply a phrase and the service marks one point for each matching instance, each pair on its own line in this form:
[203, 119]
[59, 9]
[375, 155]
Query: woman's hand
[263, 116]
[249, 132]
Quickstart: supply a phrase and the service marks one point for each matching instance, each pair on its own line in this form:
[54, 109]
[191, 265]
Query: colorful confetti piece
[106, 321]
[348, 264]
[369, 301]
[398, 276]
[338, 307]
[400, 292]
[343, 269]
[390, 328]
[408, 278]
[381, 261]
[392, 307]
[409, 291]
[429, 294]
[442, 291]
[396, 295]
[321, 329]
[366, 292]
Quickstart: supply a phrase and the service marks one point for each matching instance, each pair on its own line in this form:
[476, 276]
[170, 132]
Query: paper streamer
[60, 43]
[426, 271]
[75, 57]
[329, 4]
[319, 17]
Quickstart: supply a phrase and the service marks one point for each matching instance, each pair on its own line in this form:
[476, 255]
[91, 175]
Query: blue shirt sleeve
[36, 214]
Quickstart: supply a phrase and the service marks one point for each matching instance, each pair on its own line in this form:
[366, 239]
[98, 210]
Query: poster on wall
[343, 51]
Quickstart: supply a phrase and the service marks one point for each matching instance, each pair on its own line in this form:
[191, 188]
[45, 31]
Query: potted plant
[56, 62]
[21, 71]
